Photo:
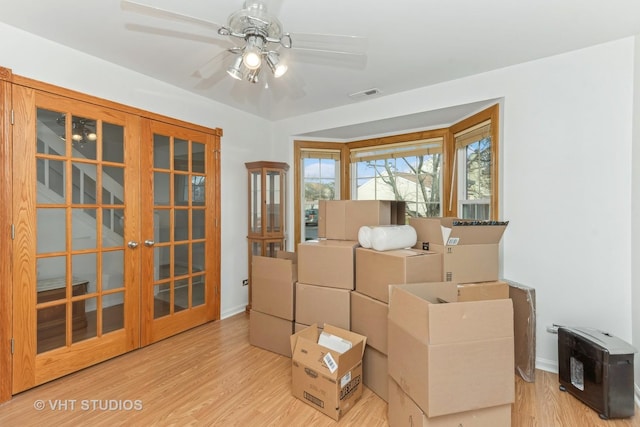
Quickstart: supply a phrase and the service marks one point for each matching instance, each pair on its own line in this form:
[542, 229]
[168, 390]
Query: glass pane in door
[179, 207]
[78, 219]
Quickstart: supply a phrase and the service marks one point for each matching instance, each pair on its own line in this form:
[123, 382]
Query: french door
[114, 233]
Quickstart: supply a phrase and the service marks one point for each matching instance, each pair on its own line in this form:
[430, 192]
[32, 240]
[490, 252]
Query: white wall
[565, 178]
[245, 138]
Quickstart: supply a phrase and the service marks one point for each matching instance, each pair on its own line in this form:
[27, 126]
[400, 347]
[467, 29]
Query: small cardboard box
[403, 412]
[332, 391]
[342, 219]
[483, 291]
[320, 304]
[273, 284]
[327, 263]
[450, 357]
[369, 318]
[375, 376]
[376, 270]
[470, 252]
[270, 332]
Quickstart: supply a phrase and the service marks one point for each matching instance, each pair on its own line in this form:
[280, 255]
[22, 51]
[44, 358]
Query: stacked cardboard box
[272, 313]
[325, 282]
[449, 362]
[375, 271]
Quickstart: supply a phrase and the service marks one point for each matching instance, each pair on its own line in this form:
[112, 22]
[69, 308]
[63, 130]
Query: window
[410, 171]
[474, 154]
[450, 171]
[319, 180]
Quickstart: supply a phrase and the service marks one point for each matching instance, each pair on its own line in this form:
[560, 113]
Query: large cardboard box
[273, 284]
[450, 357]
[327, 263]
[496, 289]
[374, 367]
[270, 332]
[403, 412]
[369, 318]
[342, 219]
[320, 304]
[332, 391]
[524, 327]
[376, 270]
[470, 252]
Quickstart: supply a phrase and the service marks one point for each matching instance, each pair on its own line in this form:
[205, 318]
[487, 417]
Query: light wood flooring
[212, 376]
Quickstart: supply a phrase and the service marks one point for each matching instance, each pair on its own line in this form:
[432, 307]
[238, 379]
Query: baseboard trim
[232, 311]
[547, 365]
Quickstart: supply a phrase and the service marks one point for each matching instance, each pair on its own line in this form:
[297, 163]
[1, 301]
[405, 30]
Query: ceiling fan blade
[355, 45]
[165, 32]
[216, 63]
[323, 57]
[166, 14]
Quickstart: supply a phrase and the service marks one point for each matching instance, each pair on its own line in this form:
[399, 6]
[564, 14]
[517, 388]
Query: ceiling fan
[257, 41]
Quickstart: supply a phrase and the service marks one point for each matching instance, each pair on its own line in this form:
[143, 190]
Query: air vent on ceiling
[366, 92]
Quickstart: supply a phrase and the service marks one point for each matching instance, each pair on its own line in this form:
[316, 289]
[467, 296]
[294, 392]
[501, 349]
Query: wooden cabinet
[267, 196]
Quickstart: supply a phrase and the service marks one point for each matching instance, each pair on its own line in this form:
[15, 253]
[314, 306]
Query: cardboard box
[450, 357]
[375, 376]
[524, 326]
[470, 252]
[319, 304]
[342, 219]
[403, 411]
[273, 283]
[332, 392]
[375, 270]
[369, 318]
[327, 263]
[483, 291]
[270, 332]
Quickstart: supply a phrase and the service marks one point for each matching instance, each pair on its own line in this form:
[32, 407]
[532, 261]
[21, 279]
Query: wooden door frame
[6, 307]
[7, 80]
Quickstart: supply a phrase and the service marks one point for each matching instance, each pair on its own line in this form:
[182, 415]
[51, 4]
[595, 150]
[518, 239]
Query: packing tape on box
[387, 237]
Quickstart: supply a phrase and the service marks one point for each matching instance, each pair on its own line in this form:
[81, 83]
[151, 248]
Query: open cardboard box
[323, 378]
[342, 219]
[470, 252]
[450, 356]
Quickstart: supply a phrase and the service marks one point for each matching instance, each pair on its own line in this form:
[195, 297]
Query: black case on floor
[597, 368]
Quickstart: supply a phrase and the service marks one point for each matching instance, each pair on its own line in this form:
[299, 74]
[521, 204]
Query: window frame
[450, 173]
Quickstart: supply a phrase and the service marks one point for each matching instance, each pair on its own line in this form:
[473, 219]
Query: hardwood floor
[211, 376]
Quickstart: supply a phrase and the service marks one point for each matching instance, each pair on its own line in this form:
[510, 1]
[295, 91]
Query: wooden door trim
[6, 312]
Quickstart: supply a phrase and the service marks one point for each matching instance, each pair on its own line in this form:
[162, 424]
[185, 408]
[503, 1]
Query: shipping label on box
[335, 387]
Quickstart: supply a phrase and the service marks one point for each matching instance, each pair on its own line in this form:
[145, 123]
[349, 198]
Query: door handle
[132, 244]
[149, 243]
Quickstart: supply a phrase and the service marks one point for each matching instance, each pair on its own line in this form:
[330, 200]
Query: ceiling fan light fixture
[278, 68]
[252, 56]
[252, 75]
[234, 71]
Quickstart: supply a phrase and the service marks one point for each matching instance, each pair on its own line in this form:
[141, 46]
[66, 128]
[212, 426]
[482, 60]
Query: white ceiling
[410, 43]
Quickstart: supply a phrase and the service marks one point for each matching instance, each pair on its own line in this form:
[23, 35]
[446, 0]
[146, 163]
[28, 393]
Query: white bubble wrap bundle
[387, 237]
